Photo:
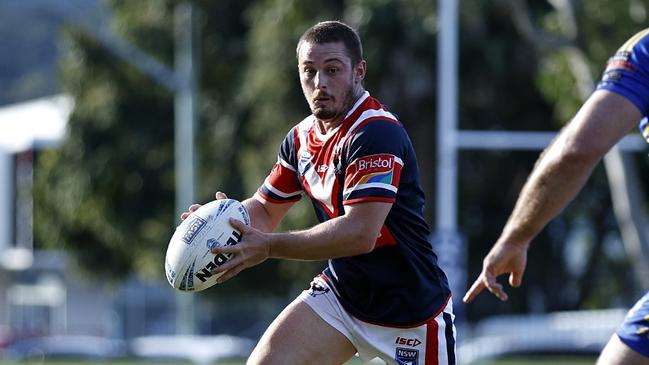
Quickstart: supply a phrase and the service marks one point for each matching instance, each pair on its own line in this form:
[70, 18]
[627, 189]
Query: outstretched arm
[558, 176]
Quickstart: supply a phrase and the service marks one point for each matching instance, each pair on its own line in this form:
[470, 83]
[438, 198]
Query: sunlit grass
[508, 361]
[541, 360]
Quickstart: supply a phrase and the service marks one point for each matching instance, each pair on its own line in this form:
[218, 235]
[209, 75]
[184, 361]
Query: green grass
[79, 362]
[507, 361]
[542, 361]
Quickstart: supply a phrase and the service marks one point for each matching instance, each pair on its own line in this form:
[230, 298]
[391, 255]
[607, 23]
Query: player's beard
[329, 113]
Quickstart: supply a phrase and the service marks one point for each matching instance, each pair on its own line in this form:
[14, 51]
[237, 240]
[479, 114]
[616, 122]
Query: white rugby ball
[189, 258]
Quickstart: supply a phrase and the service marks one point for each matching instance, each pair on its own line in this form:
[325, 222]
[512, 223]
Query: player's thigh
[299, 336]
[617, 353]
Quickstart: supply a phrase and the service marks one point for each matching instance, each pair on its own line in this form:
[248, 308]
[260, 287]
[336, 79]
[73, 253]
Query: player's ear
[359, 71]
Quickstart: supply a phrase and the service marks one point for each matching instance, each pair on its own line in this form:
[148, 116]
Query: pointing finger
[475, 289]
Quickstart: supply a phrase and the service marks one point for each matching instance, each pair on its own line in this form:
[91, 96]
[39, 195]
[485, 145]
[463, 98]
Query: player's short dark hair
[333, 31]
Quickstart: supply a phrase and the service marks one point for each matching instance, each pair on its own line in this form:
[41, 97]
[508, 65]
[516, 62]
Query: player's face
[330, 82]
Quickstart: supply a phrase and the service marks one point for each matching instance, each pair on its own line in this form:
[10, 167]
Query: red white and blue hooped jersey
[627, 73]
[368, 158]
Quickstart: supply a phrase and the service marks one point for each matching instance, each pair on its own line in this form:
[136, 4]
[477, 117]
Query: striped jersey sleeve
[282, 184]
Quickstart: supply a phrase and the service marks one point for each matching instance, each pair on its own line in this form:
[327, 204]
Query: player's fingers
[220, 195]
[475, 289]
[192, 208]
[494, 287]
[225, 249]
[515, 279]
[228, 265]
[230, 274]
[239, 226]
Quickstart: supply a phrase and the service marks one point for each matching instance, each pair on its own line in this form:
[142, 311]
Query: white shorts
[432, 343]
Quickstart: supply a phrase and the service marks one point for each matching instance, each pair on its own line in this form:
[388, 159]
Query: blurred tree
[107, 195]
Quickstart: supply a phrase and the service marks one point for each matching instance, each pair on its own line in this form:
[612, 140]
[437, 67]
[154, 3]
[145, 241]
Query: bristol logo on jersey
[376, 162]
[375, 171]
[407, 356]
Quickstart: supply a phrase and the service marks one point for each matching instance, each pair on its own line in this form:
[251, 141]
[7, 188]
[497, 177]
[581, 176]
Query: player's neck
[325, 126]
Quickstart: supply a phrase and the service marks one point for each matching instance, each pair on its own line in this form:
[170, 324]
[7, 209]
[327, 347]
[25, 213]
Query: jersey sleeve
[374, 160]
[627, 72]
[282, 184]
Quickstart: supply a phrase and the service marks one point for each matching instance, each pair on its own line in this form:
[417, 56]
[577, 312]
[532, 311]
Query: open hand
[253, 249]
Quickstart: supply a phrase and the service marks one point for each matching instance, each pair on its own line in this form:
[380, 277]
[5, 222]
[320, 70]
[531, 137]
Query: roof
[34, 124]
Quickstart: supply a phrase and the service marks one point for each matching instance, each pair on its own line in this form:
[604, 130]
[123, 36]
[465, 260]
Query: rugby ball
[189, 259]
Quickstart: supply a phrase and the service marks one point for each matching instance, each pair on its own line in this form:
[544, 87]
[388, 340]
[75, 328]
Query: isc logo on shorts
[413, 342]
[407, 356]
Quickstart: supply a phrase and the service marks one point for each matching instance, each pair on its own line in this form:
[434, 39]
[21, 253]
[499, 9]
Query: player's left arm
[354, 233]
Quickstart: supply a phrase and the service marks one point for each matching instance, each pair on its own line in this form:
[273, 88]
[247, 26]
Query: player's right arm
[278, 193]
[280, 190]
[264, 216]
[558, 176]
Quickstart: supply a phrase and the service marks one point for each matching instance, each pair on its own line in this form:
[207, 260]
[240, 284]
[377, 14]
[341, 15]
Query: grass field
[509, 361]
[542, 361]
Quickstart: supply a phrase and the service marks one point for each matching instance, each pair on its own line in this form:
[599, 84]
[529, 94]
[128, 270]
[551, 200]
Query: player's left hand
[253, 249]
[504, 258]
[192, 208]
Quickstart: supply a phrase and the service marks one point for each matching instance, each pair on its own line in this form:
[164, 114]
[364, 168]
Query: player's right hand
[504, 258]
[192, 208]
